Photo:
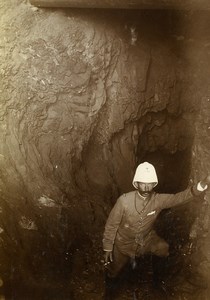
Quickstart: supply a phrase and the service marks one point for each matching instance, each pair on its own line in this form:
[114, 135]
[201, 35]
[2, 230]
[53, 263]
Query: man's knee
[112, 273]
[161, 248]
[119, 262]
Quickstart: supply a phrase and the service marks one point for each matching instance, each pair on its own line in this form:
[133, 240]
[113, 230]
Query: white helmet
[145, 173]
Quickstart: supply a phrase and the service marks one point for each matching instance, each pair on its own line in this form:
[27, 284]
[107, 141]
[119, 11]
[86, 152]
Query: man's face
[145, 189]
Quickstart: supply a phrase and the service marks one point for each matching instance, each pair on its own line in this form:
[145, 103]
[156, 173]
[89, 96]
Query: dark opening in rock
[85, 97]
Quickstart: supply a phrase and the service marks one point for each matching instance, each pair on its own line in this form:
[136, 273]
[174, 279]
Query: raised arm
[171, 200]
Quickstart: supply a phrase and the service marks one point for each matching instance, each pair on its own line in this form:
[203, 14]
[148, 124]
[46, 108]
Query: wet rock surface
[85, 96]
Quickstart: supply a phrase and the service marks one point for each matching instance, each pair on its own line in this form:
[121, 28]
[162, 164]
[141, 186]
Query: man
[129, 229]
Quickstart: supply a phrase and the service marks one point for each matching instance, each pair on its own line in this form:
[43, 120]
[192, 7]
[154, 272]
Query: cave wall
[200, 230]
[83, 94]
[88, 79]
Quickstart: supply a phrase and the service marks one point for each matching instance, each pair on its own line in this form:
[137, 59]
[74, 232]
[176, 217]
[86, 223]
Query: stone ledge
[126, 4]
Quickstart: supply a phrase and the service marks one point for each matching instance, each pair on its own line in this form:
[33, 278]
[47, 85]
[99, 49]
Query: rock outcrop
[85, 96]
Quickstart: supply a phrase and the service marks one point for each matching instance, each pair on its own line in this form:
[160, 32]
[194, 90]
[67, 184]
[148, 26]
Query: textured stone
[81, 104]
[143, 4]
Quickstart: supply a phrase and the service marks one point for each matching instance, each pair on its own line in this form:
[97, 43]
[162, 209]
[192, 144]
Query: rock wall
[85, 95]
[82, 80]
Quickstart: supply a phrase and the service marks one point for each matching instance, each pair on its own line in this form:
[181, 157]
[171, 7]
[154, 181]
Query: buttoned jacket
[131, 220]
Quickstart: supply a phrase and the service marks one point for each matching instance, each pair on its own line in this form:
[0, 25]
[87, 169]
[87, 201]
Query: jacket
[130, 222]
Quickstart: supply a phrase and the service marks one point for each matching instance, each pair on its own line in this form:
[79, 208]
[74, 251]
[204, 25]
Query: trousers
[157, 246]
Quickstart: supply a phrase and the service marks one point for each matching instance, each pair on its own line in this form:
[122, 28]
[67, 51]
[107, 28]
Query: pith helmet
[145, 173]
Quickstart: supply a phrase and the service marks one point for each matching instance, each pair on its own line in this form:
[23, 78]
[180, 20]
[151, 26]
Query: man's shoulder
[127, 196]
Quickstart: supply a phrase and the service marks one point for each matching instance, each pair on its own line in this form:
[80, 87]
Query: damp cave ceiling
[126, 4]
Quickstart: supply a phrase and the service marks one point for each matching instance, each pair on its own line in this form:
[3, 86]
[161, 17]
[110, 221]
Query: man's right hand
[205, 181]
[108, 257]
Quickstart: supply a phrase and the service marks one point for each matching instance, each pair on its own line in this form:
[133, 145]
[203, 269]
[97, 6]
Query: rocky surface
[117, 4]
[85, 96]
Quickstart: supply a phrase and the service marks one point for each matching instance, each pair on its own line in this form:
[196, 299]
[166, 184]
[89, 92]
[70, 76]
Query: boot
[158, 265]
[110, 288]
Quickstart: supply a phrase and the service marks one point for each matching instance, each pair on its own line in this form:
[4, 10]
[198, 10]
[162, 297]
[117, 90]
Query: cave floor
[86, 282]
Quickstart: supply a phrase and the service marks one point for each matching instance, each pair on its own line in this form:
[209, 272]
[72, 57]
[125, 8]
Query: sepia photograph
[104, 149]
